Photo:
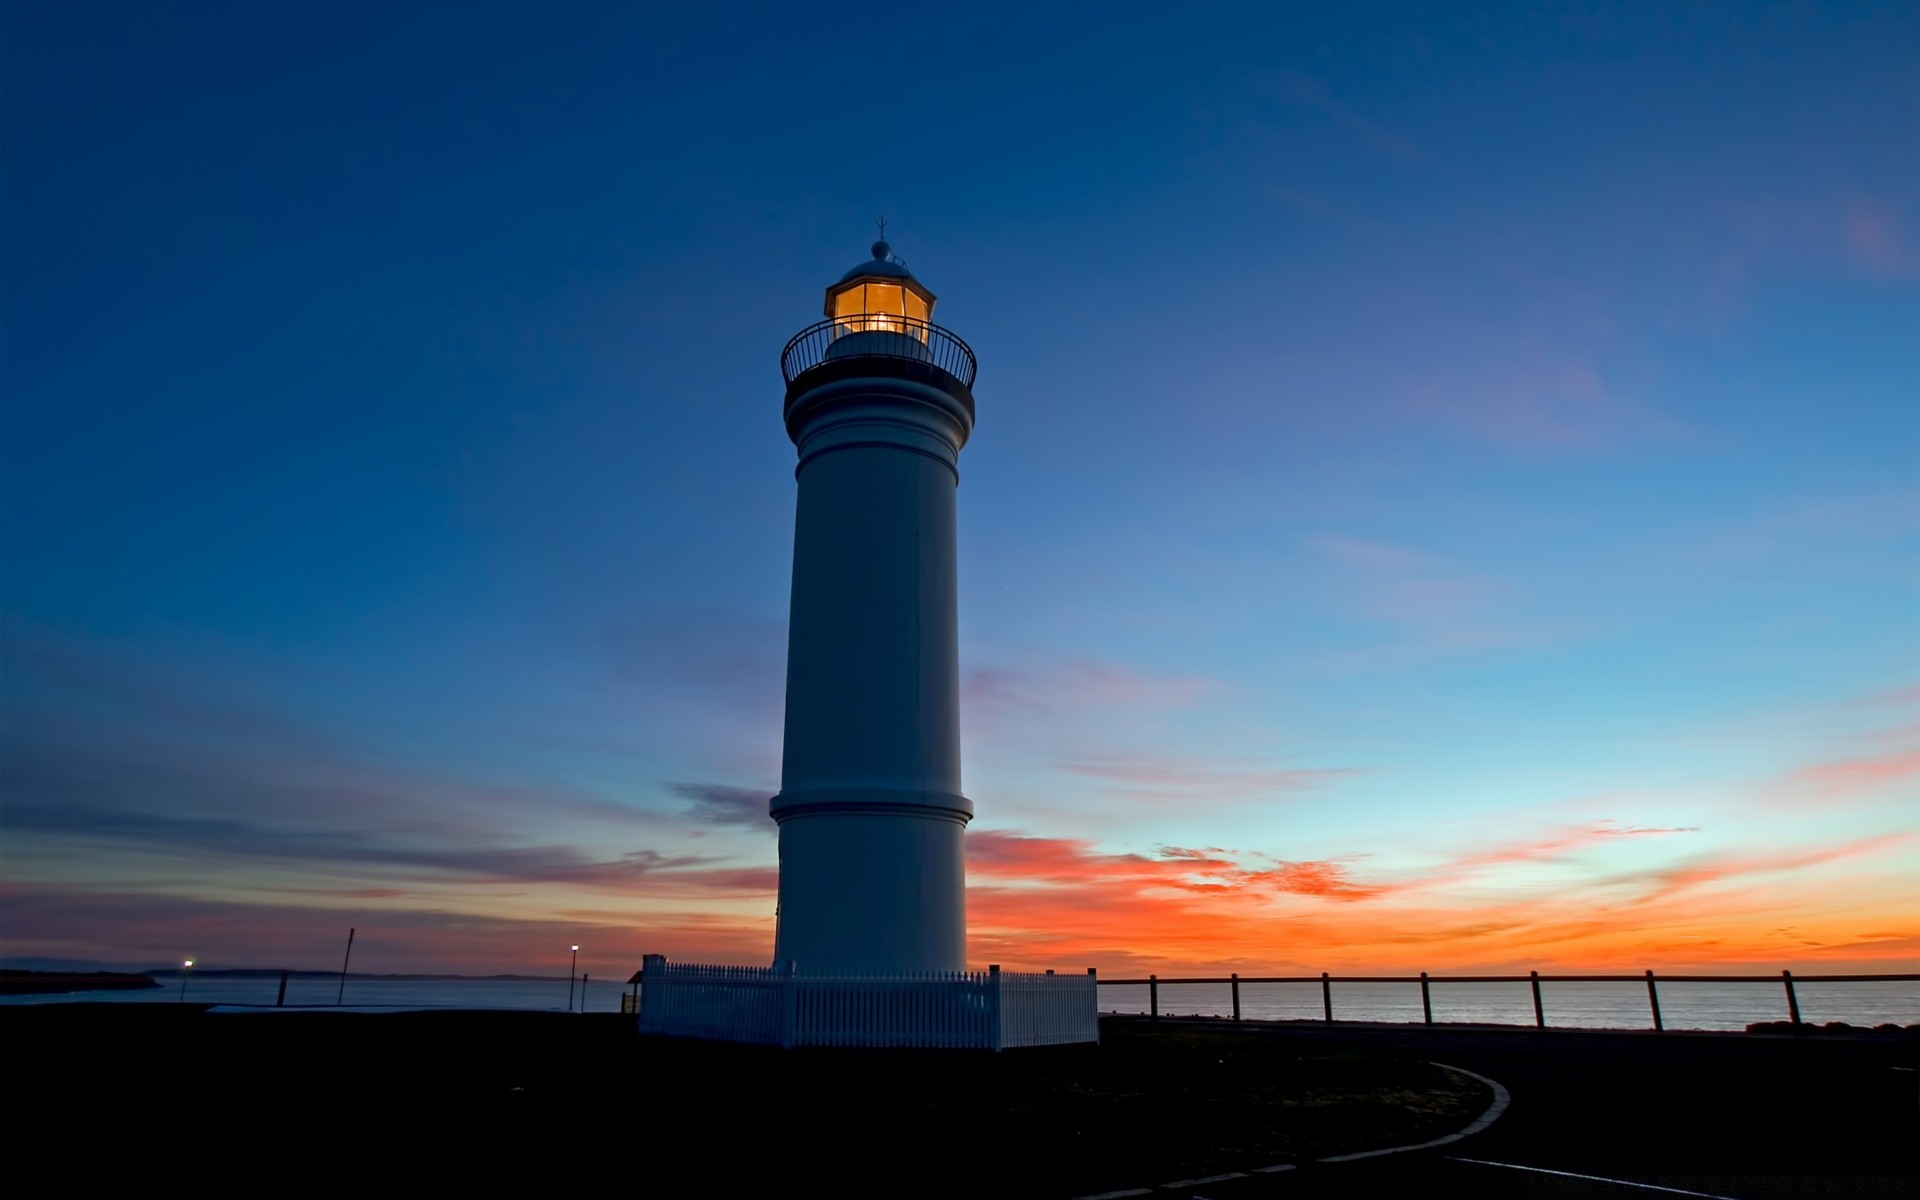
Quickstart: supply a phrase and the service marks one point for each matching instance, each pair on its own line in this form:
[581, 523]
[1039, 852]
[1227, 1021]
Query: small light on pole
[186, 969]
[570, 969]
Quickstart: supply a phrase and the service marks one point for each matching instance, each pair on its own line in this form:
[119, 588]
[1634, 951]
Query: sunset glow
[1444, 494]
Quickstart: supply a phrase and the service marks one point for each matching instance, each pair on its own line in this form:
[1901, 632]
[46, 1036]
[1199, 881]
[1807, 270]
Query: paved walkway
[1641, 1114]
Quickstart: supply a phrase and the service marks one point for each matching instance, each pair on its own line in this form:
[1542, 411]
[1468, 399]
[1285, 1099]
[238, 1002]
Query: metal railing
[1326, 981]
[877, 335]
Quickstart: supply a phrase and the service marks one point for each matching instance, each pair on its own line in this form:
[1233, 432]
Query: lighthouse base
[982, 1010]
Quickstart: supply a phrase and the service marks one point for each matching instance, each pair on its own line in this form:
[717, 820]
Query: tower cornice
[865, 411]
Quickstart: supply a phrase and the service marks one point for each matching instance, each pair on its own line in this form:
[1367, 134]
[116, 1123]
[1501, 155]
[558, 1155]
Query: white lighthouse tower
[871, 946]
[879, 403]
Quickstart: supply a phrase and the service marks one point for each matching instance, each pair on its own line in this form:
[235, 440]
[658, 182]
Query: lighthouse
[879, 403]
[870, 945]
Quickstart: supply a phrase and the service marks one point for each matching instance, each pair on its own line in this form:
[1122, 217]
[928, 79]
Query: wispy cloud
[1408, 586]
[1314, 95]
[726, 660]
[1173, 777]
[118, 773]
[417, 854]
[1438, 608]
[1550, 406]
[1836, 233]
[1551, 847]
[722, 804]
[92, 726]
[1656, 885]
[1075, 686]
[1113, 725]
[151, 928]
[1006, 855]
[1876, 241]
[1907, 696]
[1847, 776]
[383, 854]
[1795, 526]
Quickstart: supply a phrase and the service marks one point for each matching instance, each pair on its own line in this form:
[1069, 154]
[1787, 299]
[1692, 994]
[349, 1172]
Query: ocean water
[548, 995]
[1567, 1005]
[1581, 1005]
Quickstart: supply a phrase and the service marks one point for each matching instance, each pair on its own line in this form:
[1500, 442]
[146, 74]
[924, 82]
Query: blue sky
[1441, 471]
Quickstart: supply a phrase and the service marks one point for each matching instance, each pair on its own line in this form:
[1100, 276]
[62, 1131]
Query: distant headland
[48, 983]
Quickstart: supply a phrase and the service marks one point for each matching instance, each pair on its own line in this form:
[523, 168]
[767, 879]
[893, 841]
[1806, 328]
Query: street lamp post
[570, 969]
[186, 969]
[340, 997]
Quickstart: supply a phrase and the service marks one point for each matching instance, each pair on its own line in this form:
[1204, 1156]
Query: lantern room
[880, 296]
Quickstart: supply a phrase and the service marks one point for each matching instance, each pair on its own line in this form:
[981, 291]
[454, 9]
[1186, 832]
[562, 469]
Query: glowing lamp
[880, 296]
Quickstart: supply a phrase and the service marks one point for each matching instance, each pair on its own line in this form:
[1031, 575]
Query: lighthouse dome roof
[882, 264]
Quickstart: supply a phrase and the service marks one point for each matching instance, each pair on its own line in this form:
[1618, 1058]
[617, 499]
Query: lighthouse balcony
[876, 343]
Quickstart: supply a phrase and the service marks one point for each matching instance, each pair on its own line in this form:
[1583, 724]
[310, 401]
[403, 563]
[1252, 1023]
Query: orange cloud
[1047, 901]
[1037, 901]
[1667, 881]
[1074, 861]
[1329, 879]
[1858, 774]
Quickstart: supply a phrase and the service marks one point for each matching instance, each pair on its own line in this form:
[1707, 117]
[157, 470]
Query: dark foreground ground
[560, 1101]
[1719, 1114]
[168, 1098]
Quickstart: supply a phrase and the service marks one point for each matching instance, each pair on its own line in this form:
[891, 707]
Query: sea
[1718, 1006]
[384, 992]
[1565, 1005]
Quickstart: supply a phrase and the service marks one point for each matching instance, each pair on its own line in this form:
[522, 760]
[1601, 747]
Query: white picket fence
[991, 1009]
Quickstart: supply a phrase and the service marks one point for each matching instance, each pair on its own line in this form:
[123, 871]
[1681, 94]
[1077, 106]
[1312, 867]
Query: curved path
[1638, 1114]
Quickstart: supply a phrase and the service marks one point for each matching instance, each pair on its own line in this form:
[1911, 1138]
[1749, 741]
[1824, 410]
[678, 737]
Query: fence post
[1539, 1012]
[1793, 1001]
[1653, 1000]
[1093, 984]
[282, 997]
[1426, 999]
[653, 975]
[1326, 995]
[789, 1008]
[1236, 995]
[1153, 996]
[993, 988]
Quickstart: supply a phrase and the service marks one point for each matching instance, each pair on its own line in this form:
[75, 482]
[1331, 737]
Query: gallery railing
[1326, 981]
[878, 335]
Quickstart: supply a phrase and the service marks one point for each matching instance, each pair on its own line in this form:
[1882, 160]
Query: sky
[1446, 492]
